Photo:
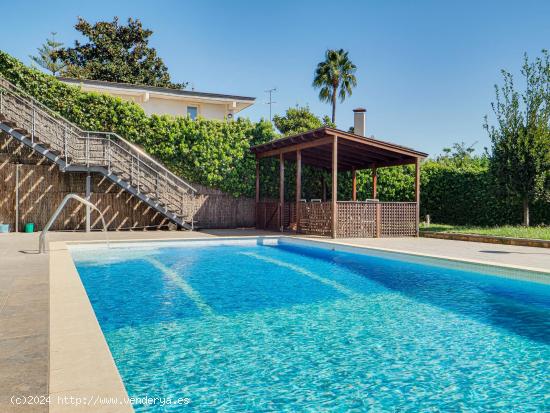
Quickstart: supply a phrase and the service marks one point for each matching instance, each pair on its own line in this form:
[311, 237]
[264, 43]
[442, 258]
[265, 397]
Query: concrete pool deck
[25, 289]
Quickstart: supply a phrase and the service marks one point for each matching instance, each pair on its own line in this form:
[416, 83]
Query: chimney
[359, 121]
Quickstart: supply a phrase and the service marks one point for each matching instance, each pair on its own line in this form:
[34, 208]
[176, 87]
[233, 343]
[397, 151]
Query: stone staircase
[75, 150]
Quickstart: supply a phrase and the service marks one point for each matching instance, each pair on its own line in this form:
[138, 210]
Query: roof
[163, 90]
[354, 151]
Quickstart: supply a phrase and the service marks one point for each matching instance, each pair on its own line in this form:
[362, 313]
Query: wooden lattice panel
[398, 219]
[267, 215]
[356, 220]
[289, 220]
[316, 218]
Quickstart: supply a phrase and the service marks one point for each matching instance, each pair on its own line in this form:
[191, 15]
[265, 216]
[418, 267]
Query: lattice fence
[316, 218]
[267, 215]
[356, 220]
[397, 219]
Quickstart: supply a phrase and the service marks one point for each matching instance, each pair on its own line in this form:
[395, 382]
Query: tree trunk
[526, 211]
[334, 105]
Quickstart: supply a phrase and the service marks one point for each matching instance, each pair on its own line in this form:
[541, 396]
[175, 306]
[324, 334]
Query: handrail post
[33, 121]
[166, 183]
[138, 173]
[87, 149]
[109, 154]
[65, 145]
[157, 191]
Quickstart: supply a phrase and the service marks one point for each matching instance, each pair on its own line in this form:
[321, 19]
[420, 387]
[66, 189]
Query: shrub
[216, 154]
[209, 152]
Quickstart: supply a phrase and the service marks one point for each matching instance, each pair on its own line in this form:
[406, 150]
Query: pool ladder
[42, 240]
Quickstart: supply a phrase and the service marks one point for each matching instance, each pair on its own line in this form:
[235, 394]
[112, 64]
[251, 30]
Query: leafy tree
[459, 154]
[46, 58]
[299, 119]
[335, 77]
[216, 154]
[116, 53]
[520, 158]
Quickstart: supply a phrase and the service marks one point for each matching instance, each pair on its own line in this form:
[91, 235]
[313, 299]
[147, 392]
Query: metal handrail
[42, 239]
[63, 122]
[57, 117]
[71, 138]
[143, 154]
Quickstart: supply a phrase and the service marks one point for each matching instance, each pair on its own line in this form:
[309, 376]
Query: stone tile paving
[24, 295]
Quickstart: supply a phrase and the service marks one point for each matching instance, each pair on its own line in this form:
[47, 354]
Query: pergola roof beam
[294, 147]
[374, 152]
[354, 151]
[348, 161]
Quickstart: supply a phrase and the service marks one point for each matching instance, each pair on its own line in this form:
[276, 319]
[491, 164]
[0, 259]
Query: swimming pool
[281, 325]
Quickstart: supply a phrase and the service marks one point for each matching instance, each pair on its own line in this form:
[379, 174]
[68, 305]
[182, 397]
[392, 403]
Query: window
[192, 112]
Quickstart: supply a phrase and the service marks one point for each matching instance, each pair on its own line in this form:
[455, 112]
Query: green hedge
[464, 194]
[208, 152]
[216, 154]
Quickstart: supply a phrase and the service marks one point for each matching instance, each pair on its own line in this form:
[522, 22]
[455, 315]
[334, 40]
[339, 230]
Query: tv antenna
[271, 102]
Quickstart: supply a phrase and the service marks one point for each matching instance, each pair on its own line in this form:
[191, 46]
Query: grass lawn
[504, 231]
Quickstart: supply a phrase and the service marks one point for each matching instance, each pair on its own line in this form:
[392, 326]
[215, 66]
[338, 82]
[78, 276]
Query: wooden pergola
[335, 150]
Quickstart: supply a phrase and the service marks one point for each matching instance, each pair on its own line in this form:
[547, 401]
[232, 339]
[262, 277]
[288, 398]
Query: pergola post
[354, 184]
[298, 187]
[374, 182]
[417, 194]
[378, 207]
[281, 191]
[257, 188]
[334, 186]
[320, 148]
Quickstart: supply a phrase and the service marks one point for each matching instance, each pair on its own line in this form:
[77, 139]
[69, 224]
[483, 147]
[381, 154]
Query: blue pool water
[292, 328]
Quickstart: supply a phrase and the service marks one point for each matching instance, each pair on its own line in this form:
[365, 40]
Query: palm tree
[335, 72]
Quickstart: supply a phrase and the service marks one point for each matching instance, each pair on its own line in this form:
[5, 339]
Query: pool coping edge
[324, 242]
[433, 256]
[81, 365]
[77, 344]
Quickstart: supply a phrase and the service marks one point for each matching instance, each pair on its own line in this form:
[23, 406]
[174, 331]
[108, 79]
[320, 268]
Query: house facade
[166, 101]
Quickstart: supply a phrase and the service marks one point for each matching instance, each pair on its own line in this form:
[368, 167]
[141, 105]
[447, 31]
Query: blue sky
[426, 69]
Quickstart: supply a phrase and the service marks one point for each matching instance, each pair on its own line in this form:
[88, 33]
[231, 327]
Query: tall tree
[520, 158]
[460, 154]
[335, 77]
[299, 119]
[117, 53]
[46, 58]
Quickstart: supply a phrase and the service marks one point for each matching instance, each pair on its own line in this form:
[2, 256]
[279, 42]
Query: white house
[166, 101]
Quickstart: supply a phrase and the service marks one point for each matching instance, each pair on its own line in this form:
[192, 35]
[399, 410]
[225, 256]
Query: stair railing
[42, 239]
[86, 147]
